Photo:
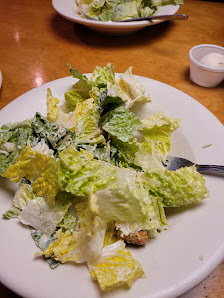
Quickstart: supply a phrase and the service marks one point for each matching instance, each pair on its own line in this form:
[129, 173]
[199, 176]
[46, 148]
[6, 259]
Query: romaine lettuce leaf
[13, 139]
[115, 267]
[103, 75]
[176, 188]
[80, 246]
[107, 102]
[39, 169]
[125, 152]
[80, 174]
[23, 196]
[155, 147]
[52, 108]
[56, 136]
[13, 212]
[42, 241]
[129, 204]
[132, 88]
[50, 217]
[87, 126]
[119, 12]
[79, 92]
[120, 123]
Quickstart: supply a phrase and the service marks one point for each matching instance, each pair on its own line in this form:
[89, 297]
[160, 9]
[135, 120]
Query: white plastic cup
[203, 75]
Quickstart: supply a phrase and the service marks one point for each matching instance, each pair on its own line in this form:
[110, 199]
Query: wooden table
[36, 44]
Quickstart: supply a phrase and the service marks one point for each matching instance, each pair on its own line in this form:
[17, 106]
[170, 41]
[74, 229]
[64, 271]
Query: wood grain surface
[36, 44]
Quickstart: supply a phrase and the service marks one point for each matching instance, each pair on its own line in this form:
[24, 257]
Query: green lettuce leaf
[120, 12]
[103, 75]
[87, 128]
[56, 136]
[13, 139]
[120, 123]
[80, 174]
[155, 147]
[22, 197]
[132, 88]
[13, 212]
[42, 241]
[129, 204]
[176, 188]
[40, 169]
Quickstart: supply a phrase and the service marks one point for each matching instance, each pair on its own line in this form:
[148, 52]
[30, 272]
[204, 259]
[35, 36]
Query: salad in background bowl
[70, 10]
[117, 10]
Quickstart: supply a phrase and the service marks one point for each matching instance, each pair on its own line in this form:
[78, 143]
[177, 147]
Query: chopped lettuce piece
[80, 174]
[80, 246]
[107, 102]
[155, 147]
[87, 127]
[13, 212]
[52, 108]
[115, 267]
[43, 241]
[13, 139]
[57, 136]
[103, 75]
[132, 88]
[125, 152]
[68, 222]
[119, 12]
[38, 168]
[76, 74]
[176, 188]
[129, 204]
[160, 121]
[39, 215]
[23, 196]
[120, 123]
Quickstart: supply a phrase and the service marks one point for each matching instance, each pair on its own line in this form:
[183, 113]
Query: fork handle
[179, 17]
[213, 169]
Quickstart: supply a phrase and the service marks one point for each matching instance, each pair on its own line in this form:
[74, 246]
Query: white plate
[67, 9]
[177, 260]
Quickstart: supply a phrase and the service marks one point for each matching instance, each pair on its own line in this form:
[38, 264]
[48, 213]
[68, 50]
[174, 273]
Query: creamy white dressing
[214, 60]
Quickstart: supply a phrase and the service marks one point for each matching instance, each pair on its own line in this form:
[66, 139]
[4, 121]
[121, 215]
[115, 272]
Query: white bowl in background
[67, 9]
[201, 74]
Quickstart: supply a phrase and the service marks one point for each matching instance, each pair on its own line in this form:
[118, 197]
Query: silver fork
[174, 163]
[177, 17]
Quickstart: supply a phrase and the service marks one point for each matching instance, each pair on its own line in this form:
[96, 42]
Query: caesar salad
[87, 184]
[117, 10]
